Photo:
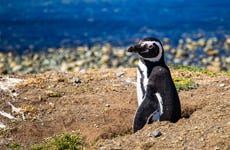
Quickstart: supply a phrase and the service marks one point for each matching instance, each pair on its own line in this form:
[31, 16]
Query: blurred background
[193, 32]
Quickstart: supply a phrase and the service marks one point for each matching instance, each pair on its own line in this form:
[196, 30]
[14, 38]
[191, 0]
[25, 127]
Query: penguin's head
[149, 49]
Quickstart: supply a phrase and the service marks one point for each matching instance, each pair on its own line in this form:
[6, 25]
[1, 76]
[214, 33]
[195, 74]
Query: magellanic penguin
[158, 99]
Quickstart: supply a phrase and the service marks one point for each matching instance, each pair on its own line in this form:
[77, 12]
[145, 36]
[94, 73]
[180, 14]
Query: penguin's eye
[150, 46]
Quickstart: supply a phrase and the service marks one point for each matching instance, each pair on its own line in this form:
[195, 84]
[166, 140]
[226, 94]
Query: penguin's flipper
[144, 114]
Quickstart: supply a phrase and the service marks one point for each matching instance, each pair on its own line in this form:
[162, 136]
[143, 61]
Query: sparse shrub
[184, 84]
[61, 142]
[14, 146]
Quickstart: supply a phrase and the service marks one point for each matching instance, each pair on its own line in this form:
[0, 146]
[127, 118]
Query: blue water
[40, 24]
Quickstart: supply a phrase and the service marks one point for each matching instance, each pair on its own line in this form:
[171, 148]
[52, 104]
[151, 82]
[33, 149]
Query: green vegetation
[61, 142]
[195, 69]
[14, 146]
[5, 133]
[184, 83]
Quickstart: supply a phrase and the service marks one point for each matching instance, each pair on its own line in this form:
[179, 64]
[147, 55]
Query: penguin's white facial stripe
[149, 43]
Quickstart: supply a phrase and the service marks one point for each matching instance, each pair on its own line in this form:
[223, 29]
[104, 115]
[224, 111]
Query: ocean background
[40, 24]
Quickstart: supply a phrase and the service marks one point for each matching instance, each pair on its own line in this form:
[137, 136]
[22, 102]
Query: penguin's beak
[137, 48]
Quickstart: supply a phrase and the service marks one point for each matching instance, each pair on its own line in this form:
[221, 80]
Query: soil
[101, 105]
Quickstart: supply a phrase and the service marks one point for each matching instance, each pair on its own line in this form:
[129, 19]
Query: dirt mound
[101, 105]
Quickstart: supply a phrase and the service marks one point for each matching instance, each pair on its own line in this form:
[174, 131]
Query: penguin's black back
[160, 81]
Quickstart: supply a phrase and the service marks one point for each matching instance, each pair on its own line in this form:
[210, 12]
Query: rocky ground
[212, 53]
[100, 104]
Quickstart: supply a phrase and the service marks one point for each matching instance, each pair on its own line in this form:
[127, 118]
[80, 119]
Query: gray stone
[155, 133]
[76, 80]
[120, 74]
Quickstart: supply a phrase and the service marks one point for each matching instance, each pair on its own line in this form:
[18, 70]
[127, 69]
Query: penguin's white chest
[142, 81]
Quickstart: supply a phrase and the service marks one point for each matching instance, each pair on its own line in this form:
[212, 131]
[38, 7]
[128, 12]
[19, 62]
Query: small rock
[120, 74]
[155, 133]
[201, 42]
[12, 64]
[53, 93]
[109, 141]
[107, 49]
[215, 65]
[216, 148]
[177, 61]
[222, 85]
[27, 63]
[76, 80]
[45, 62]
[80, 62]
[181, 41]
[188, 40]
[228, 123]
[167, 47]
[2, 68]
[115, 63]
[105, 58]
[95, 125]
[166, 40]
[180, 53]
[107, 105]
[190, 46]
[212, 52]
[228, 40]
[103, 148]
[16, 68]
[82, 49]
[120, 54]
[201, 139]
[227, 59]
[2, 126]
[180, 138]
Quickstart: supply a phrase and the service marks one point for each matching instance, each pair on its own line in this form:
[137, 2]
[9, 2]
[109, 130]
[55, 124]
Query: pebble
[2, 68]
[95, 125]
[109, 141]
[228, 40]
[167, 47]
[190, 47]
[76, 80]
[215, 65]
[166, 40]
[155, 133]
[120, 53]
[103, 148]
[212, 52]
[2, 126]
[107, 105]
[180, 53]
[222, 85]
[105, 58]
[201, 42]
[17, 68]
[53, 93]
[120, 74]
[202, 139]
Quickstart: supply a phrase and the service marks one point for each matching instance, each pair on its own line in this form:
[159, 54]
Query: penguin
[157, 96]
